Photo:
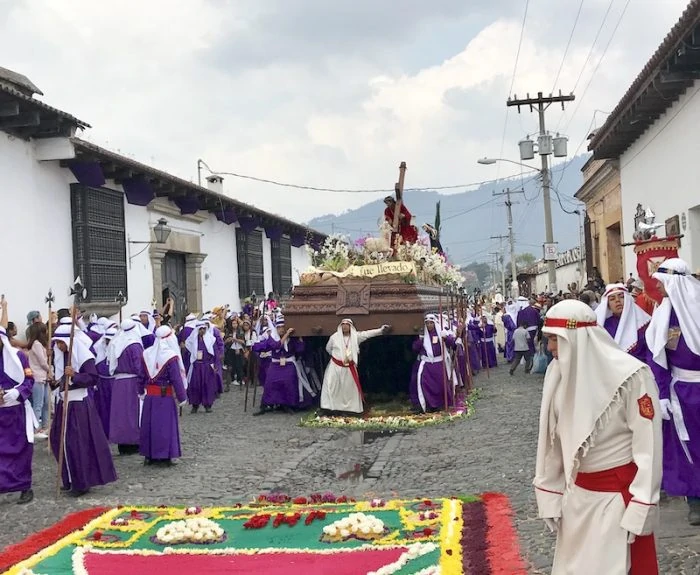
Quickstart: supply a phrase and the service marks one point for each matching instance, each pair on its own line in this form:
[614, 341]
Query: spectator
[521, 342]
[37, 342]
[32, 317]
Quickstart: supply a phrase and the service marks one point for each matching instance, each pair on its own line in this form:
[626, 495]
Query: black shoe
[147, 461]
[510, 372]
[78, 492]
[207, 409]
[694, 517]
[25, 497]
[195, 409]
[263, 410]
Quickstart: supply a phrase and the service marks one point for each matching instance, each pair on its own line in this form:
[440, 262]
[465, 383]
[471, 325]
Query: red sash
[618, 479]
[159, 391]
[355, 375]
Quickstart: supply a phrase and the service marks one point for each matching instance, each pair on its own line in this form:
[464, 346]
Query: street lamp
[491, 161]
[161, 231]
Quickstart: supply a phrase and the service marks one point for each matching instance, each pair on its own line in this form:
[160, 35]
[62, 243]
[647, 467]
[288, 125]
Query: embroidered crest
[646, 407]
[28, 372]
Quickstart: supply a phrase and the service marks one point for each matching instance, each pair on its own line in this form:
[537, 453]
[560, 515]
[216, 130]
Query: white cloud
[297, 94]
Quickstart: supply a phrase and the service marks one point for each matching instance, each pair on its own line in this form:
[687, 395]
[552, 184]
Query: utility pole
[540, 105]
[502, 262]
[514, 287]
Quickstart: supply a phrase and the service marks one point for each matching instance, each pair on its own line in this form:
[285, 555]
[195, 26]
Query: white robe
[339, 391]
[594, 526]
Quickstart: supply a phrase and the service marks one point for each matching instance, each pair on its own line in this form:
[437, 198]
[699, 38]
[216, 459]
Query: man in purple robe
[488, 346]
[185, 332]
[624, 320]
[126, 366]
[286, 385]
[103, 393]
[510, 319]
[16, 419]
[264, 356]
[433, 384]
[164, 391]
[673, 338]
[87, 460]
[202, 377]
[531, 316]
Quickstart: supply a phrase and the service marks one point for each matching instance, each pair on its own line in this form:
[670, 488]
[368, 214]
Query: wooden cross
[398, 191]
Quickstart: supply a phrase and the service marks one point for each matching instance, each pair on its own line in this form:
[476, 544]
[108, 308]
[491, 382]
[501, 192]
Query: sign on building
[550, 252]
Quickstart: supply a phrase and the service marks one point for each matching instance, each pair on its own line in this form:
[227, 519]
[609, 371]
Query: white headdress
[192, 343]
[10, 359]
[128, 335]
[684, 298]
[164, 349]
[79, 334]
[353, 346]
[586, 379]
[81, 351]
[101, 346]
[633, 317]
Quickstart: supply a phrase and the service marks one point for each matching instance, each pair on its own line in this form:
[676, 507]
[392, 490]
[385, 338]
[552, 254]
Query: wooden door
[175, 284]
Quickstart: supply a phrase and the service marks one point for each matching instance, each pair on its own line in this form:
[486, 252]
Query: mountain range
[469, 219]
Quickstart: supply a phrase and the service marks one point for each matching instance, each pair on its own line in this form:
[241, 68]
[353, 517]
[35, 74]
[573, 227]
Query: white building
[71, 208]
[653, 132]
[569, 270]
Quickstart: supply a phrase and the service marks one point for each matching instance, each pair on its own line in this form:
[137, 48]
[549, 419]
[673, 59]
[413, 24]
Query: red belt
[166, 391]
[618, 480]
[355, 375]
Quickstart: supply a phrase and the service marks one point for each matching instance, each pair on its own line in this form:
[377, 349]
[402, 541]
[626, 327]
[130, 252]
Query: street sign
[550, 252]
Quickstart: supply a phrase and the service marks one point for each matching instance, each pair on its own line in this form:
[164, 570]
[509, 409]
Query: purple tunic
[264, 359]
[219, 349]
[510, 327]
[103, 394]
[473, 353]
[15, 451]
[182, 338]
[461, 361]
[640, 350]
[531, 316]
[432, 379]
[680, 476]
[282, 382]
[204, 381]
[124, 410]
[160, 432]
[488, 347]
[87, 459]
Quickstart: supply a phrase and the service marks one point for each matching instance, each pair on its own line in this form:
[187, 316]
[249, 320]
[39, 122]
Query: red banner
[650, 255]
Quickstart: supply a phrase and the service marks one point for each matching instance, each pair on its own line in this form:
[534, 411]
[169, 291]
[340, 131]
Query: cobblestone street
[231, 456]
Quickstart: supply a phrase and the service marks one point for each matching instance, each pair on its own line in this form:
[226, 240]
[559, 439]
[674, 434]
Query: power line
[566, 50]
[605, 50]
[512, 78]
[350, 191]
[590, 53]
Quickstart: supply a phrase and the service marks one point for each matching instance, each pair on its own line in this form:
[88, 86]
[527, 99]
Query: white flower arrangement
[358, 525]
[195, 530]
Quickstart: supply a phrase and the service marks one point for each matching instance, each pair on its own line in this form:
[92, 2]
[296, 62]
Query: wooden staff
[49, 300]
[121, 300]
[247, 383]
[442, 351]
[77, 291]
[398, 189]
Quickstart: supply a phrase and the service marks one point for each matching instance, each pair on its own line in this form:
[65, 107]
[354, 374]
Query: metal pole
[548, 229]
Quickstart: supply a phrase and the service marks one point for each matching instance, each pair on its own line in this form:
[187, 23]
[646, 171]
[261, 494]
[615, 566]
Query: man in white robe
[341, 391]
[598, 470]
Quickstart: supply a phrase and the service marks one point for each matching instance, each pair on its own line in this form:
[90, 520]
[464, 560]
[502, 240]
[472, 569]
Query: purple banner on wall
[227, 216]
[297, 239]
[138, 191]
[273, 232]
[88, 173]
[248, 223]
[187, 204]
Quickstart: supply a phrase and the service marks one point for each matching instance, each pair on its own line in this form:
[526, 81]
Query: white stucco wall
[566, 275]
[37, 251]
[661, 170]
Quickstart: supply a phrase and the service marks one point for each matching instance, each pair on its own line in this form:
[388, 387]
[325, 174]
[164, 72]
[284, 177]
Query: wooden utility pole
[540, 105]
[514, 291]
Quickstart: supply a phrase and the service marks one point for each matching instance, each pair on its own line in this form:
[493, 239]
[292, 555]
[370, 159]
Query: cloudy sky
[327, 93]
